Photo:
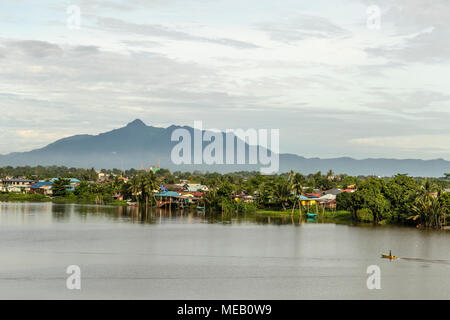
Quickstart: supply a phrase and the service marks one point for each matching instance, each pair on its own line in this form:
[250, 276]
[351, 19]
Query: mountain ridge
[138, 145]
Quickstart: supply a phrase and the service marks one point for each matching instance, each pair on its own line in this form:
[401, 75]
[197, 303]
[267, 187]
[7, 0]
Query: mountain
[137, 145]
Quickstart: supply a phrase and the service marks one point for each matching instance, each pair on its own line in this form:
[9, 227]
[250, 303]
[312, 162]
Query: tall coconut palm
[116, 186]
[330, 174]
[427, 208]
[211, 199]
[149, 183]
[135, 185]
[297, 182]
[430, 213]
[282, 192]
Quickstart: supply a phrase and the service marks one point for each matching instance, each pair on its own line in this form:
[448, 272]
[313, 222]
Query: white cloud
[312, 69]
[430, 145]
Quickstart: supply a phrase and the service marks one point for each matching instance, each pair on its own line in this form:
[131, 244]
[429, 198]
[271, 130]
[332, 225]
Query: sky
[355, 78]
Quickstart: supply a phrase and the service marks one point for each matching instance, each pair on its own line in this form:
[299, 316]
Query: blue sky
[333, 85]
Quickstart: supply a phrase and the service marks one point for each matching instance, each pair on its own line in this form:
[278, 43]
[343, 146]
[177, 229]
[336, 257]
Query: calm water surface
[126, 254]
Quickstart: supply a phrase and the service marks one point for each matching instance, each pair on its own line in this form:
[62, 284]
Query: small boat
[312, 215]
[388, 256]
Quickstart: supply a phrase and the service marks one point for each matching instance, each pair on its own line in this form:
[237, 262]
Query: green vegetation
[327, 215]
[400, 199]
[23, 197]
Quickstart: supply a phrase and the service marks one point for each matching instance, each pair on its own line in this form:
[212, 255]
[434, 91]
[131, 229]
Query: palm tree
[211, 199]
[297, 183]
[330, 174]
[135, 185]
[116, 186]
[282, 192]
[297, 187]
[149, 183]
[427, 208]
[430, 213]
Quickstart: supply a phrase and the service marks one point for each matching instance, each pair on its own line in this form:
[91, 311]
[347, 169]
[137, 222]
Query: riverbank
[337, 217]
[20, 197]
[328, 216]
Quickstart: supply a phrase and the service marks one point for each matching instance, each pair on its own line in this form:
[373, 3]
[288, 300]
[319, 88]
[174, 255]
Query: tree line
[400, 199]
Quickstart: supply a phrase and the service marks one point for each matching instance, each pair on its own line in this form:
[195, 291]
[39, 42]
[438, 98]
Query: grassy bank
[341, 216]
[22, 197]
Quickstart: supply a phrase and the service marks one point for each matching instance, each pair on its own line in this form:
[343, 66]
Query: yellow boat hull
[386, 256]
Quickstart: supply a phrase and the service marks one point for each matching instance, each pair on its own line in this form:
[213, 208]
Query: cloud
[437, 144]
[86, 49]
[34, 134]
[303, 27]
[421, 28]
[34, 48]
[406, 101]
[317, 73]
[426, 46]
[154, 30]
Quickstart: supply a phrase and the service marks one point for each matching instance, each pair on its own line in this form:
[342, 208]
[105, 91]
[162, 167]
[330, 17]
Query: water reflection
[23, 213]
[84, 213]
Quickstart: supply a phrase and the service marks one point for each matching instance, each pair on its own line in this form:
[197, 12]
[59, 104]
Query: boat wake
[426, 260]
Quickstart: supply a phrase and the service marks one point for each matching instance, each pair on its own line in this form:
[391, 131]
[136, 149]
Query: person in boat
[390, 253]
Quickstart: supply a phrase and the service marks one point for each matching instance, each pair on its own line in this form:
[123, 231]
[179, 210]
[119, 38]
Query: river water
[127, 254]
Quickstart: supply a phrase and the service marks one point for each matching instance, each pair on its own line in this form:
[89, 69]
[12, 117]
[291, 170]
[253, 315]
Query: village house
[174, 187]
[42, 187]
[334, 191]
[306, 201]
[16, 185]
[244, 198]
[195, 187]
[101, 176]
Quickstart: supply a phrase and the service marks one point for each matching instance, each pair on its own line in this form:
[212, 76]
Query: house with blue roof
[168, 194]
[42, 187]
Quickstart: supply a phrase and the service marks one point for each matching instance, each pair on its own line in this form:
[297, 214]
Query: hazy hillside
[137, 144]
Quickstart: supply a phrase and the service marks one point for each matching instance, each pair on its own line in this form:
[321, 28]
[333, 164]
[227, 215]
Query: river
[126, 254]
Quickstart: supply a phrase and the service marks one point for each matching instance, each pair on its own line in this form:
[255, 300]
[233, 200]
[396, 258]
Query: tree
[430, 212]
[59, 187]
[265, 193]
[346, 201]
[370, 196]
[348, 180]
[401, 191]
[82, 189]
[149, 183]
[135, 186]
[330, 175]
[428, 208]
[282, 192]
[297, 181]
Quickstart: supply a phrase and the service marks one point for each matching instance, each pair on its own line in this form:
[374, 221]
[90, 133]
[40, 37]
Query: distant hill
[137, 145]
